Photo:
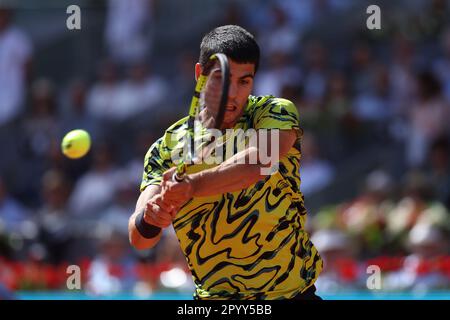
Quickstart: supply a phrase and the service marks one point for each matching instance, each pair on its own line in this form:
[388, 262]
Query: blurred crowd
[357, 91]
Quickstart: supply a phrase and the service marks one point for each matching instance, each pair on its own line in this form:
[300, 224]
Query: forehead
[237, 69]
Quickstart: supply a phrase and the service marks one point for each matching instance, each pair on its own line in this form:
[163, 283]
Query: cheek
[243, 94]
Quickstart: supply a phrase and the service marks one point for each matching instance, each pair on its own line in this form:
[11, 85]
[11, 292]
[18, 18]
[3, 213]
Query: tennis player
[242, 232]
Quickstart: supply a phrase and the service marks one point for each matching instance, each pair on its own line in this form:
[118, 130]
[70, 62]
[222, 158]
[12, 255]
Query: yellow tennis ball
[76, 144]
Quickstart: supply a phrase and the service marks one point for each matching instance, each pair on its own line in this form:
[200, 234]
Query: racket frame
[190, 158]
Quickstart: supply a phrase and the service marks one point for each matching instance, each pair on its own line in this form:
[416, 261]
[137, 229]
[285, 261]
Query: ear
[198, 70]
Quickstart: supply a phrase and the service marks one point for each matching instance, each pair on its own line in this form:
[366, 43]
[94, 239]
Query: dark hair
[237, 43]
[429, 85]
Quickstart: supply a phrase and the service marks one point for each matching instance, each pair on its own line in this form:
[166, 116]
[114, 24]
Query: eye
[244, 82]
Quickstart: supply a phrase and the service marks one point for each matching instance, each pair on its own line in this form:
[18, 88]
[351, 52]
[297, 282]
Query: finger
[166, 195]
[159, 210]
[159, 221]
[174, 212]
[158, 216]
[167, 176]
[178, 188]
[163, 204]
[173, 199]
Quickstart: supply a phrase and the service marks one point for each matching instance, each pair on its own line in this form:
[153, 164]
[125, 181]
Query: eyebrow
[247, 75]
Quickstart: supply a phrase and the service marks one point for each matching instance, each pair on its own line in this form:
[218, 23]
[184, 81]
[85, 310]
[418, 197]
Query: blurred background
[374, 105]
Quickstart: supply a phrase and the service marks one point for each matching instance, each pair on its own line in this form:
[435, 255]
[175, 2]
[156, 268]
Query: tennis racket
[209, 73]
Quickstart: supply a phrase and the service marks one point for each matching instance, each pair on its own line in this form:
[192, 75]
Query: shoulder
[170, 137]
[270, 103]
[176, 131]
[273, 107]
[17, 37]
[178, 126]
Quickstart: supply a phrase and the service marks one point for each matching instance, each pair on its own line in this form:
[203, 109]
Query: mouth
[230, 108]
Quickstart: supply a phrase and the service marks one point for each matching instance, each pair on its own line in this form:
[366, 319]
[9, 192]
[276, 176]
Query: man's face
[241, 85]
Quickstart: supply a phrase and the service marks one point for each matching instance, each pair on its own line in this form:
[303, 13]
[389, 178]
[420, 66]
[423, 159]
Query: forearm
[136, 239]
[234, 174]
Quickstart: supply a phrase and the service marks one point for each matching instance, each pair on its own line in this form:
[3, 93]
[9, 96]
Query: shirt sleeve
[277, 113]
[156, 162]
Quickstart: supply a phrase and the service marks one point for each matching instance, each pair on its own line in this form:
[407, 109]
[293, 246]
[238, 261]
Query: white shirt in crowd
[121, 101]
[15, 52]
[125, 28]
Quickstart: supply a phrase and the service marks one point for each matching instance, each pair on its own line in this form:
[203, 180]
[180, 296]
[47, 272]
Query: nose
[232, 91]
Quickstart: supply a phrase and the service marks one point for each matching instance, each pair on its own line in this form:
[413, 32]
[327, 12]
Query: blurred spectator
[12, 212]
[115, 102]
[104, 92]
[95, 190]
[141, 92]
[316, 172]
[42, 122]
[56, 232]
[280, 72]
[15, 62]
[441, 66]
[169, 251]
[404, 214]
[439, 169]
[337, 96]
[117, 214]
[282, 37]
[433, 18]
[337, 127]
[301, 14]
[362, 68]
[127, 29]
[316, 72]
[340, 271]
[428, 119]
[132, 169]
[38, 130]
[420, 271]
[374, 105]
[364, 217]
[183, 81]
[401, 74]
[74, 114]
[112, 270]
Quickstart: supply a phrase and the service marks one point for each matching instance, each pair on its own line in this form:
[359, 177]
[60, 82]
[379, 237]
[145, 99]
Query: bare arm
[155, 213]
[229, 176]
[237, 173]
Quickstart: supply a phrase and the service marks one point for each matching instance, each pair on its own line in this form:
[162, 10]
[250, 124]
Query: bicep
[276, 143]
[287, 140]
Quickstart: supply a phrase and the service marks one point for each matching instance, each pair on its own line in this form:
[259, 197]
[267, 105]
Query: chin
[229, 122]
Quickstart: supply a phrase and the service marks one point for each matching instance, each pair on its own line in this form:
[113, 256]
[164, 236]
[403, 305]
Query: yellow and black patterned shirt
[251, 243]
